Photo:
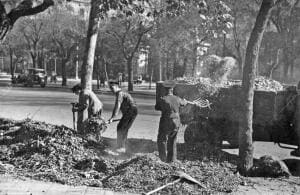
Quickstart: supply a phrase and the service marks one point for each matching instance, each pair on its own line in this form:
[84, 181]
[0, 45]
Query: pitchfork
[181, 177]
[201, 103]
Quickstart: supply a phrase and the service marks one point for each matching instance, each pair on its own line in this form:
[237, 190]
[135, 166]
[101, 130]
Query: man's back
[169, 105]
[93, 102]
[126, 101]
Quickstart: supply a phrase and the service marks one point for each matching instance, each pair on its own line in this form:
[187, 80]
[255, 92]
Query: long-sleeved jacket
[169, 106]
[88, 99]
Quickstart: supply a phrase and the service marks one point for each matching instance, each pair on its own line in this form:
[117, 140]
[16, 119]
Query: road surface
[53, 106]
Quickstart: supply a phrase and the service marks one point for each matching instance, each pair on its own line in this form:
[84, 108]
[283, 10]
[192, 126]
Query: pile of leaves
[209, 87]
[47, 152]
[206, 87]
[56, 153]
[146, 172]
[263, 83]
[94, 127]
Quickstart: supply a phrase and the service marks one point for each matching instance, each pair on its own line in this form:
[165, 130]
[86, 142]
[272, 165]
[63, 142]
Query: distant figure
[140, 79]
[53, 77]
[102, 79]
[120, 79]
[127, 105]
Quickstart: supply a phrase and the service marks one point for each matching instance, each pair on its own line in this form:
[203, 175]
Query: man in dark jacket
[127, 105]
[169, 123]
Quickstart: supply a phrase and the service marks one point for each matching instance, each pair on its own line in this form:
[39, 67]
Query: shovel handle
[164, 186]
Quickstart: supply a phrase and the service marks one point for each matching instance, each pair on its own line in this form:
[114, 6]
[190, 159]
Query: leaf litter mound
[54, 153]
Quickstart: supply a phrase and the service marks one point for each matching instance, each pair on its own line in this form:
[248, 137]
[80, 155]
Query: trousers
[124, 125]
[166, 139]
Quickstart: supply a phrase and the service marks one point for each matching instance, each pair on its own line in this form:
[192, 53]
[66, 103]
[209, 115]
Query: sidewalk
[12, 186]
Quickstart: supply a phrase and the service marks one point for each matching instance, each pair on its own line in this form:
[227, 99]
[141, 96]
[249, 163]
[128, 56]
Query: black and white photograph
[162, 97]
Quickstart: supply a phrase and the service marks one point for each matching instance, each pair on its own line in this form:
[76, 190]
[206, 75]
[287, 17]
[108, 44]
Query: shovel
[73, 106]
[181, 176]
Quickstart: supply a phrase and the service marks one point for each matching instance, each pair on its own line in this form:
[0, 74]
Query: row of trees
[173, 38]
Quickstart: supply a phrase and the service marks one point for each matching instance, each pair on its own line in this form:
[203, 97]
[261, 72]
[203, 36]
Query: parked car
[33, 76]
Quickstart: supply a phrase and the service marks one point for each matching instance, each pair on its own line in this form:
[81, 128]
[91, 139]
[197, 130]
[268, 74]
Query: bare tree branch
[25, 8]
[20, 12]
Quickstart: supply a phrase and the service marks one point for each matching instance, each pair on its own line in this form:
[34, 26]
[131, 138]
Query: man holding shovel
[90, 102]
[127, 105]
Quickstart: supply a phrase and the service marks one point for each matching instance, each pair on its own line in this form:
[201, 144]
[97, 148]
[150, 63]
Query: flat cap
[113, 82]
[169, 84]
[76, 87]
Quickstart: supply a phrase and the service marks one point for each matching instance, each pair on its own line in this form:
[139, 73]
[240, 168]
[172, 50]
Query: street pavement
[53, 106]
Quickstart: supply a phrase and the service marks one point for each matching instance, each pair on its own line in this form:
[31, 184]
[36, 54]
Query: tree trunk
[224, 45]
[274, 65]
[194, 60]
[166, 68]
[64, 72]
[286, 61]
[105, 70]
[98, 72]
[12, 72]
[160, 62]
[88, 60]
[34, 60]
[240, 61]
[292, 68]
[151, 77]
[252, 51]
[130, 74]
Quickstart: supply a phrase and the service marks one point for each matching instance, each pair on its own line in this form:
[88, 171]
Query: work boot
[296, 152]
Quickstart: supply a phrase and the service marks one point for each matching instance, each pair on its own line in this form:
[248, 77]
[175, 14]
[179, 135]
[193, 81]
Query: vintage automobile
[32, 76]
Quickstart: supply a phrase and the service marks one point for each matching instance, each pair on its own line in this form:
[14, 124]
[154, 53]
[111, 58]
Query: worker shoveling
[54, 153]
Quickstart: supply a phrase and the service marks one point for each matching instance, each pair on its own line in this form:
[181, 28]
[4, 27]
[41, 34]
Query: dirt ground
[47, 152]
[254, 185]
